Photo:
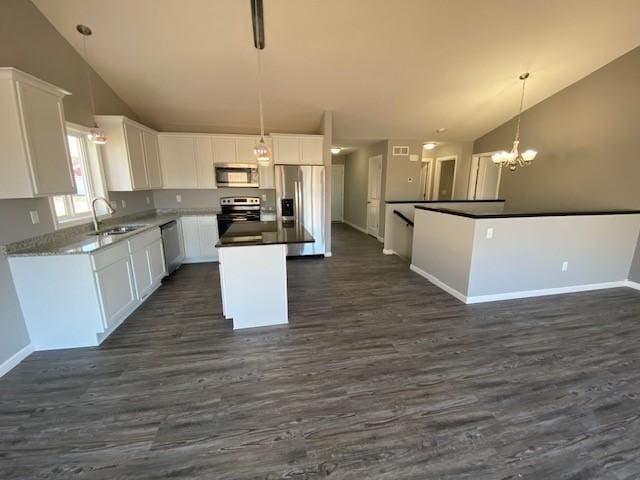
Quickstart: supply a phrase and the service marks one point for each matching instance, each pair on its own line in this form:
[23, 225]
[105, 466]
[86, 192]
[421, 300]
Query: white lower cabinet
[200, 235]
[78, 300]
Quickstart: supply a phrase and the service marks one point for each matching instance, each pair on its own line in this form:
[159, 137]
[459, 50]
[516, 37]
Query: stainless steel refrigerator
[300, 199]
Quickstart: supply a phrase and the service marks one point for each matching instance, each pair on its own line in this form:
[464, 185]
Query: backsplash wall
[209, 198]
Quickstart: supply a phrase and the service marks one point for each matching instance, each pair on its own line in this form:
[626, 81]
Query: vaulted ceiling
[388, 69]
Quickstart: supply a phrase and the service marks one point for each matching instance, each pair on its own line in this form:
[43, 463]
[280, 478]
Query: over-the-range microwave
[236, 175]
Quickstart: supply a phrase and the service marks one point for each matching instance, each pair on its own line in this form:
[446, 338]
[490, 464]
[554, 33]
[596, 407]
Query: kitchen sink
[119, 230]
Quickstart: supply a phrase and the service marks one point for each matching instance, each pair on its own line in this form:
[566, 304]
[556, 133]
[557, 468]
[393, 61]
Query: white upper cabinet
[224, 149]
[178, 160]
[34, 157]
[297, 149]
[130, 156]
[206, 177]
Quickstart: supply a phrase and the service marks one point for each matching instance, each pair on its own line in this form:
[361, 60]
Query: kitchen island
[253, 271]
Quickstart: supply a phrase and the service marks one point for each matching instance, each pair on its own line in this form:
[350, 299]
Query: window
[76, 208]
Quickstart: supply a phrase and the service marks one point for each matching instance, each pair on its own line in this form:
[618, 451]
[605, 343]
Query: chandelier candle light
[96, 134]
[514, 158]
[261, 150]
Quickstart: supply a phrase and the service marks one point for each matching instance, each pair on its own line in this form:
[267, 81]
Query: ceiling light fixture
[335, 150]
[261, 150]
[429, 146]
[514, 158]
[96, 134]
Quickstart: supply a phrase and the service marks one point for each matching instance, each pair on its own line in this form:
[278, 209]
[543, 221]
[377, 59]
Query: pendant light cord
[86, 59]
[255, 3]
[524, 81]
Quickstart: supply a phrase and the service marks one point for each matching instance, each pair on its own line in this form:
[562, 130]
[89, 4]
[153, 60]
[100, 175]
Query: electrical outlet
[124, 203]
[35, 217]
[565, 266]
[148, 200]
[264, 197]
[490, 232]
[114, 204]
[179, 198]
[410, 180]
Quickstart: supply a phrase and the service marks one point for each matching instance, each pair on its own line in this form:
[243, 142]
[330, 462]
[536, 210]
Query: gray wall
[588, 143]
[634, 272]
[463, 151]
[208, 198]
[30, 43]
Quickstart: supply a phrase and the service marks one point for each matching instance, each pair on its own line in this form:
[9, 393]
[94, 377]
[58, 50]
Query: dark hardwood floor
[380, 375]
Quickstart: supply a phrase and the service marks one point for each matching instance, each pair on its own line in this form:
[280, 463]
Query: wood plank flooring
[380, 375]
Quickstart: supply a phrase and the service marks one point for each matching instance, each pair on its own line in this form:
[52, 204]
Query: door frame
[436, 177]
[428, 180]
[473, 175]
[375, 158]
[340, 167]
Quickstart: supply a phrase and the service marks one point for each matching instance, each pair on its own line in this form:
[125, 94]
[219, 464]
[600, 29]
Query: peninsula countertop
[522, 214]
[264, 233]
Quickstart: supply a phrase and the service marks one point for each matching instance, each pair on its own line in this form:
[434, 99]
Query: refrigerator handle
[296, 201]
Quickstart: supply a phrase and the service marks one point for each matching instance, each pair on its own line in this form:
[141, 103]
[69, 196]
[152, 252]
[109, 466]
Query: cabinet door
[311, 148]
[286, 150]
[208, 231]
[204, 161]
[267, 176]
[46, 136]
[244, 149]
[155, 255]
[191, 237]
[224, 150]
[141, 272]
[135, 150]
[152, 159]
[117, 291]
[178, 160]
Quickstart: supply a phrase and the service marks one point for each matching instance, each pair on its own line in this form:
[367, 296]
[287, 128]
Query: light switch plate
[414, 157]
[124, 203]
[565, 266]
[148, 200]
[490, 232]
[35, 217]
[179, 198]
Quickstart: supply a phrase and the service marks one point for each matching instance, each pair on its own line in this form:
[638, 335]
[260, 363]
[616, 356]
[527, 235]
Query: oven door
[237, 175]
[225, 220]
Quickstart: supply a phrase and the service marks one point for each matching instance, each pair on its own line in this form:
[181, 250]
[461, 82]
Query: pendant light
[514, 158]
[96, 134]
[261, 150]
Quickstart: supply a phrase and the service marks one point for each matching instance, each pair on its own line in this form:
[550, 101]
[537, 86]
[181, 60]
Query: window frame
[94, 180]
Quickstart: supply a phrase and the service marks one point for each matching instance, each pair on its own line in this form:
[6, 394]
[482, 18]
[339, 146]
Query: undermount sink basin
[119, 230]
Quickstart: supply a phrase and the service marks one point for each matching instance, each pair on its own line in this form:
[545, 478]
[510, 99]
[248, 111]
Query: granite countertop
[391, 202]
[264, 233]
[523, 214]
[79, 240]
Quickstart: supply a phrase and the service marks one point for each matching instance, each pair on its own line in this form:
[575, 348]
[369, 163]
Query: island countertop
[264, 233]
[525, 214]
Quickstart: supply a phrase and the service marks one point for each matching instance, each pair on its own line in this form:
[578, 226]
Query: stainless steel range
[238, 209]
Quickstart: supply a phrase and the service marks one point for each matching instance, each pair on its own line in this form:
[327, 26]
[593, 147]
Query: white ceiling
[388, 69]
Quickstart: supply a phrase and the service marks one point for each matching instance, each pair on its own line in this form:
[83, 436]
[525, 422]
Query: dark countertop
[566, 213]
[443, 201]
[264, 233]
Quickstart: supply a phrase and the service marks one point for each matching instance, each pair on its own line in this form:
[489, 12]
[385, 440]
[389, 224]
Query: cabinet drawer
[143, 239]
[104, 258]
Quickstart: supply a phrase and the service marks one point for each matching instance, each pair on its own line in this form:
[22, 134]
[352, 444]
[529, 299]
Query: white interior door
[373, 195]
[484, 183]
[337, 193]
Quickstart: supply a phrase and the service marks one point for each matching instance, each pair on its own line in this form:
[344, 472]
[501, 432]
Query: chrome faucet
[96, 222]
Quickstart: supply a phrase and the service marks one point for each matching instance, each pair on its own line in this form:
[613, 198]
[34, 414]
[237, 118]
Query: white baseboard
[328, 254]
[389, 251]
[15, 359]
[632, 284]
[380, 239]
[353, 225]
[545, 291]
[523, 293]
[438, 283]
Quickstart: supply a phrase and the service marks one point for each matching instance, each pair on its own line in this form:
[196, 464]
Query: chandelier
[514, 158]
[261, 151]
[96, 134]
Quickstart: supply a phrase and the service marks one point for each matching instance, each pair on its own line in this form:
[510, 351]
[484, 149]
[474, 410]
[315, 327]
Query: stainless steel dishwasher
[172, 244]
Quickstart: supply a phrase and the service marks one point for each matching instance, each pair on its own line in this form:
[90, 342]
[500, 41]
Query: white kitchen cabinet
[244, 149]
[267, 176]
[34, 158]
[298, 149]
[152, 159]
[200, 234]
[78, 300]
[205, 172]
[224, 149]
[178, 160]
[130, 155]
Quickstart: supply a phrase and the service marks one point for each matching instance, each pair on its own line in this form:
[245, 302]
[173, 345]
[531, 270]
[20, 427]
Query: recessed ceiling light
[429, 146]
[336, 150]
[440, 130]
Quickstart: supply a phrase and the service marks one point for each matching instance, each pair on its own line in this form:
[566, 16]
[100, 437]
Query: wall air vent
[399, 151]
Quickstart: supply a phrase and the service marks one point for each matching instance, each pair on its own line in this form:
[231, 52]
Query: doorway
[425, 178]
[337, 193]
[484, 181]
[445, 178]
[373, 195]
